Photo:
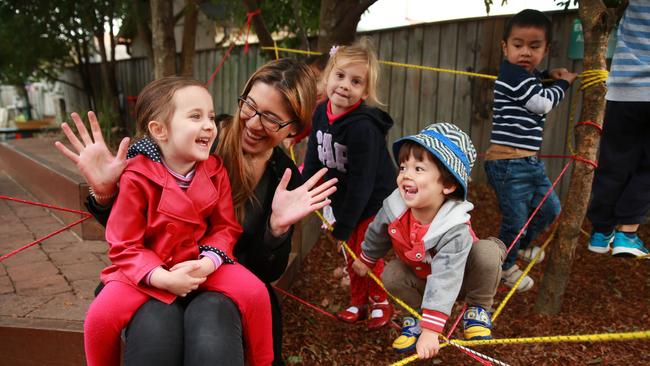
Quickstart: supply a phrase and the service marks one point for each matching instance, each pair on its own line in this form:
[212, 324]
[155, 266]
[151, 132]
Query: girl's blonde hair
[360, 52]
[155, 102]
[296, 83]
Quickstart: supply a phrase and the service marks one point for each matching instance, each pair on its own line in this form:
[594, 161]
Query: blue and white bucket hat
[450, 145]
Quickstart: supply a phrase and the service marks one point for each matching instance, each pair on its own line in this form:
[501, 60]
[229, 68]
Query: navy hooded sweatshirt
[353, 148]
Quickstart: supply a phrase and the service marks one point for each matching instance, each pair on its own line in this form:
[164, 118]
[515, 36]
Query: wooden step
[39, 167]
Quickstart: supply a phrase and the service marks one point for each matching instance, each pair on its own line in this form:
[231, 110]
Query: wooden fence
[413, 98]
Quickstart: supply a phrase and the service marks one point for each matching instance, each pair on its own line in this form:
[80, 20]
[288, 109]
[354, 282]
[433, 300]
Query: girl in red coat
[173, 228]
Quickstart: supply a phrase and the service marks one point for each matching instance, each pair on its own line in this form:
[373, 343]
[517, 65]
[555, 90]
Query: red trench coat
[155, 223]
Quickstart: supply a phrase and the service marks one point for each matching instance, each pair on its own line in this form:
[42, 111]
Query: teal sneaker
[410, 332]
[599, 242]
[628, 245]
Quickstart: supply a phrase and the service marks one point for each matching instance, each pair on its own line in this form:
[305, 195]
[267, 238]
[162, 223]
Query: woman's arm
[100, 168]
[292, 206]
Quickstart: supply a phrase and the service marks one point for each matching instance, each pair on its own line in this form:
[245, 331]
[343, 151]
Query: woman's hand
[289, 207]
[100, 168]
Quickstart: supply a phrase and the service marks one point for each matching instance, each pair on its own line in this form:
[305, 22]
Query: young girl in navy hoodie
[349, 138]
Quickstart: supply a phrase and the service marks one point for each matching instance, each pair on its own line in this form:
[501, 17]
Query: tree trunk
[597, 23]
[338, 21]
[262, 32]
[27, 108]
[144, 29]
[162, 30]
[190, 22]
[302, 33]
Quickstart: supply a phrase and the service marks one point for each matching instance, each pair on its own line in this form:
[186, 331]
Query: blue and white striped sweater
[629, 77]
[521, 103]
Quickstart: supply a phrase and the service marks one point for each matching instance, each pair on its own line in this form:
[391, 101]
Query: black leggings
[210, 322]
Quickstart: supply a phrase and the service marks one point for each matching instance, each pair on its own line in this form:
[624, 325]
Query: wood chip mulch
[605, 294]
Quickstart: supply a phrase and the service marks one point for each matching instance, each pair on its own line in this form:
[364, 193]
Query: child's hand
[178, 282]
[428, 344]
[555, 73]
[359, 267]
[206, 267]
[564, 74]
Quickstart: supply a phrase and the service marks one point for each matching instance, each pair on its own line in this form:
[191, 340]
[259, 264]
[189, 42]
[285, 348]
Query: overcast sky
[397, 13]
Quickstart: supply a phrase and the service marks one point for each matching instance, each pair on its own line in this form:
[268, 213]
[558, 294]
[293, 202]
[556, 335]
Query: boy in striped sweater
[513, 168]
[621, 187]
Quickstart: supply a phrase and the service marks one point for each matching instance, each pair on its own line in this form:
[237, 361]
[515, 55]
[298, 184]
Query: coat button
[171, 228]
[418, 255]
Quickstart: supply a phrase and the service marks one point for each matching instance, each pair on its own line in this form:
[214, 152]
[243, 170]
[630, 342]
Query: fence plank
[448, 46]
[397, 81]
[429, 79]
[412, 92]
[465, 56]
[385, 53]
[557, 122]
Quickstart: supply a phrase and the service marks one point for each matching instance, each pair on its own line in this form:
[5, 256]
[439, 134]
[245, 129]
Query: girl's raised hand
[100, 168]
[289, 207]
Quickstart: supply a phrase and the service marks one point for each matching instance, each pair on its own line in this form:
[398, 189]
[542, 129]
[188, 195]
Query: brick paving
[53, 280]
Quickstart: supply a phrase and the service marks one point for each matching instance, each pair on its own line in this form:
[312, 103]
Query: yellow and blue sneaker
[410, 332]
[477, 323]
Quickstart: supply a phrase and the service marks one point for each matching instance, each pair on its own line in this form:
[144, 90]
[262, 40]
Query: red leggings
[361, 288]
[117, 303]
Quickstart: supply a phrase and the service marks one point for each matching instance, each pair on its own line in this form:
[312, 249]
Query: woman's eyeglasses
[269, 123]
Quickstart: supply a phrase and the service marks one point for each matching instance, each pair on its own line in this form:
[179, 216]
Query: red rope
[44, 205]
[249, 20]
[223, 59]
[14, 252]
[586, 161]
[592, 124]
[324, 312]
[453, 327]
[566, 166]
[314, 307]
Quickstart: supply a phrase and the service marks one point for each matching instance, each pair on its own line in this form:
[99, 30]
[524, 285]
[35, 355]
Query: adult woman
[277, 102]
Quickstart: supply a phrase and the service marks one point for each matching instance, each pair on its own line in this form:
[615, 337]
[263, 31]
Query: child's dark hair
[530, 18]
[418, 152]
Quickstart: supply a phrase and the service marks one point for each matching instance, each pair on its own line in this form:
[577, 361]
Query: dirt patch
[605, 294]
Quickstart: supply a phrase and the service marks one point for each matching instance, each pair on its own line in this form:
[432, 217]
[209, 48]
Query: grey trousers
[480, 282]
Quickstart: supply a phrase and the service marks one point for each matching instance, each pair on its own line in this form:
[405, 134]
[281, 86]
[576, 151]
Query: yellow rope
[372, 275]
[523, 275]
[392, 63]
[600, 337]
[291, 50]
[275, 47]
[293, 154]
[437, 69]
[589, 79]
